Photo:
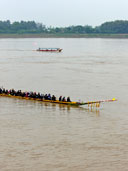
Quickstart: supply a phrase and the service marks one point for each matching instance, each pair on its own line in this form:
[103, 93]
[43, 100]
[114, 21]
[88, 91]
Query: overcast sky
[64, 12]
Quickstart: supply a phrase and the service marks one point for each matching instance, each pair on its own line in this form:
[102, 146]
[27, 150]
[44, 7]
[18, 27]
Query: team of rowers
[33, 95]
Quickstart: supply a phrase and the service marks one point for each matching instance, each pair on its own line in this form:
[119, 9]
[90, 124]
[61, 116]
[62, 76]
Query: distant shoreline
[112, 36]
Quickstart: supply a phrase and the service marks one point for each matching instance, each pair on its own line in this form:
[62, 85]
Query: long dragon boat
[73, 103]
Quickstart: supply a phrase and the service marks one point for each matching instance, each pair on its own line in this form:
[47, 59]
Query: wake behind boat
[49, 49]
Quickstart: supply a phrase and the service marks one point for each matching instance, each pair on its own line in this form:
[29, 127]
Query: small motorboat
[49, 49]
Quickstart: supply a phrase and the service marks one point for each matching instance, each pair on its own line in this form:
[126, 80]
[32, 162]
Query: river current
[40, 136]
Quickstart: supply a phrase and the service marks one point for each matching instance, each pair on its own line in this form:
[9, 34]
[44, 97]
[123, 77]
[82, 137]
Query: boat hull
[49, 50]
[37, 99]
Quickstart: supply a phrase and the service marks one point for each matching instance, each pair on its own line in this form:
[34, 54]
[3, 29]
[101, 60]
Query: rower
[53, 98]
[46, 97]
[60, 98]
[63, 99]
[3, 90]
[6, 91]
[68, 99]
[42, 96]
[38, 95]
[49, 96]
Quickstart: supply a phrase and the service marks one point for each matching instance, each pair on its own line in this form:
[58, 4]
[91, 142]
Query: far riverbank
[122, 36]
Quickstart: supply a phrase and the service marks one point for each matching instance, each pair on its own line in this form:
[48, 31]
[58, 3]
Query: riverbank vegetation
[118, 28]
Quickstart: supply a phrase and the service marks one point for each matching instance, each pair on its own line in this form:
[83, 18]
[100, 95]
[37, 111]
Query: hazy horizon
[64, 13]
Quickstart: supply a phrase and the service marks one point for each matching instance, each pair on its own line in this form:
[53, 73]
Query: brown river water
[37, 136]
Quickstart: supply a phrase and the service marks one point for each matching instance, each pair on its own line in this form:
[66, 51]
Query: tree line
[31, 27]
